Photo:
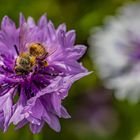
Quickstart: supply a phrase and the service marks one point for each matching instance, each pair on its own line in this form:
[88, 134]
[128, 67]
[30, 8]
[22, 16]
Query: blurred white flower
[116, 50]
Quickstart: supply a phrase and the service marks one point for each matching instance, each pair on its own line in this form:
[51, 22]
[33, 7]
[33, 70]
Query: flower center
[27, 61]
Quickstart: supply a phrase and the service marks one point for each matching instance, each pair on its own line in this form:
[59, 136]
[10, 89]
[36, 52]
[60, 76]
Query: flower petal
[42, 21]
[21, 19]
[36, 128]
[55, 124]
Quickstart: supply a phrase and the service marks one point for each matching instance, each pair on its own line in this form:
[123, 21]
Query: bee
[35, 55]
[37, 50]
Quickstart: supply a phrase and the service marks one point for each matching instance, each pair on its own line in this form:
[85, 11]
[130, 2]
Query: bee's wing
[51, 51]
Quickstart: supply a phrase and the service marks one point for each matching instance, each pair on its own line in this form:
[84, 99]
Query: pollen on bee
[45, 63]
[32, 60]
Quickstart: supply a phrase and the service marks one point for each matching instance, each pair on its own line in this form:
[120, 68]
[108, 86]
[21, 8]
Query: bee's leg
[45, 63]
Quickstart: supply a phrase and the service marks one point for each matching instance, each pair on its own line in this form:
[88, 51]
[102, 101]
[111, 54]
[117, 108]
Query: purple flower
[38, 65]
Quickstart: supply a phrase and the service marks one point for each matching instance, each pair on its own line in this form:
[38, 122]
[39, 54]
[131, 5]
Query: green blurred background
[96, 114]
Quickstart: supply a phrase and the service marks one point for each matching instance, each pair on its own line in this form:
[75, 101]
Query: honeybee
[35, 55]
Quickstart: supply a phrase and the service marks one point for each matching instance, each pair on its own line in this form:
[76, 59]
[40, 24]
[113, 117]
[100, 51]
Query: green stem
[36, 137]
